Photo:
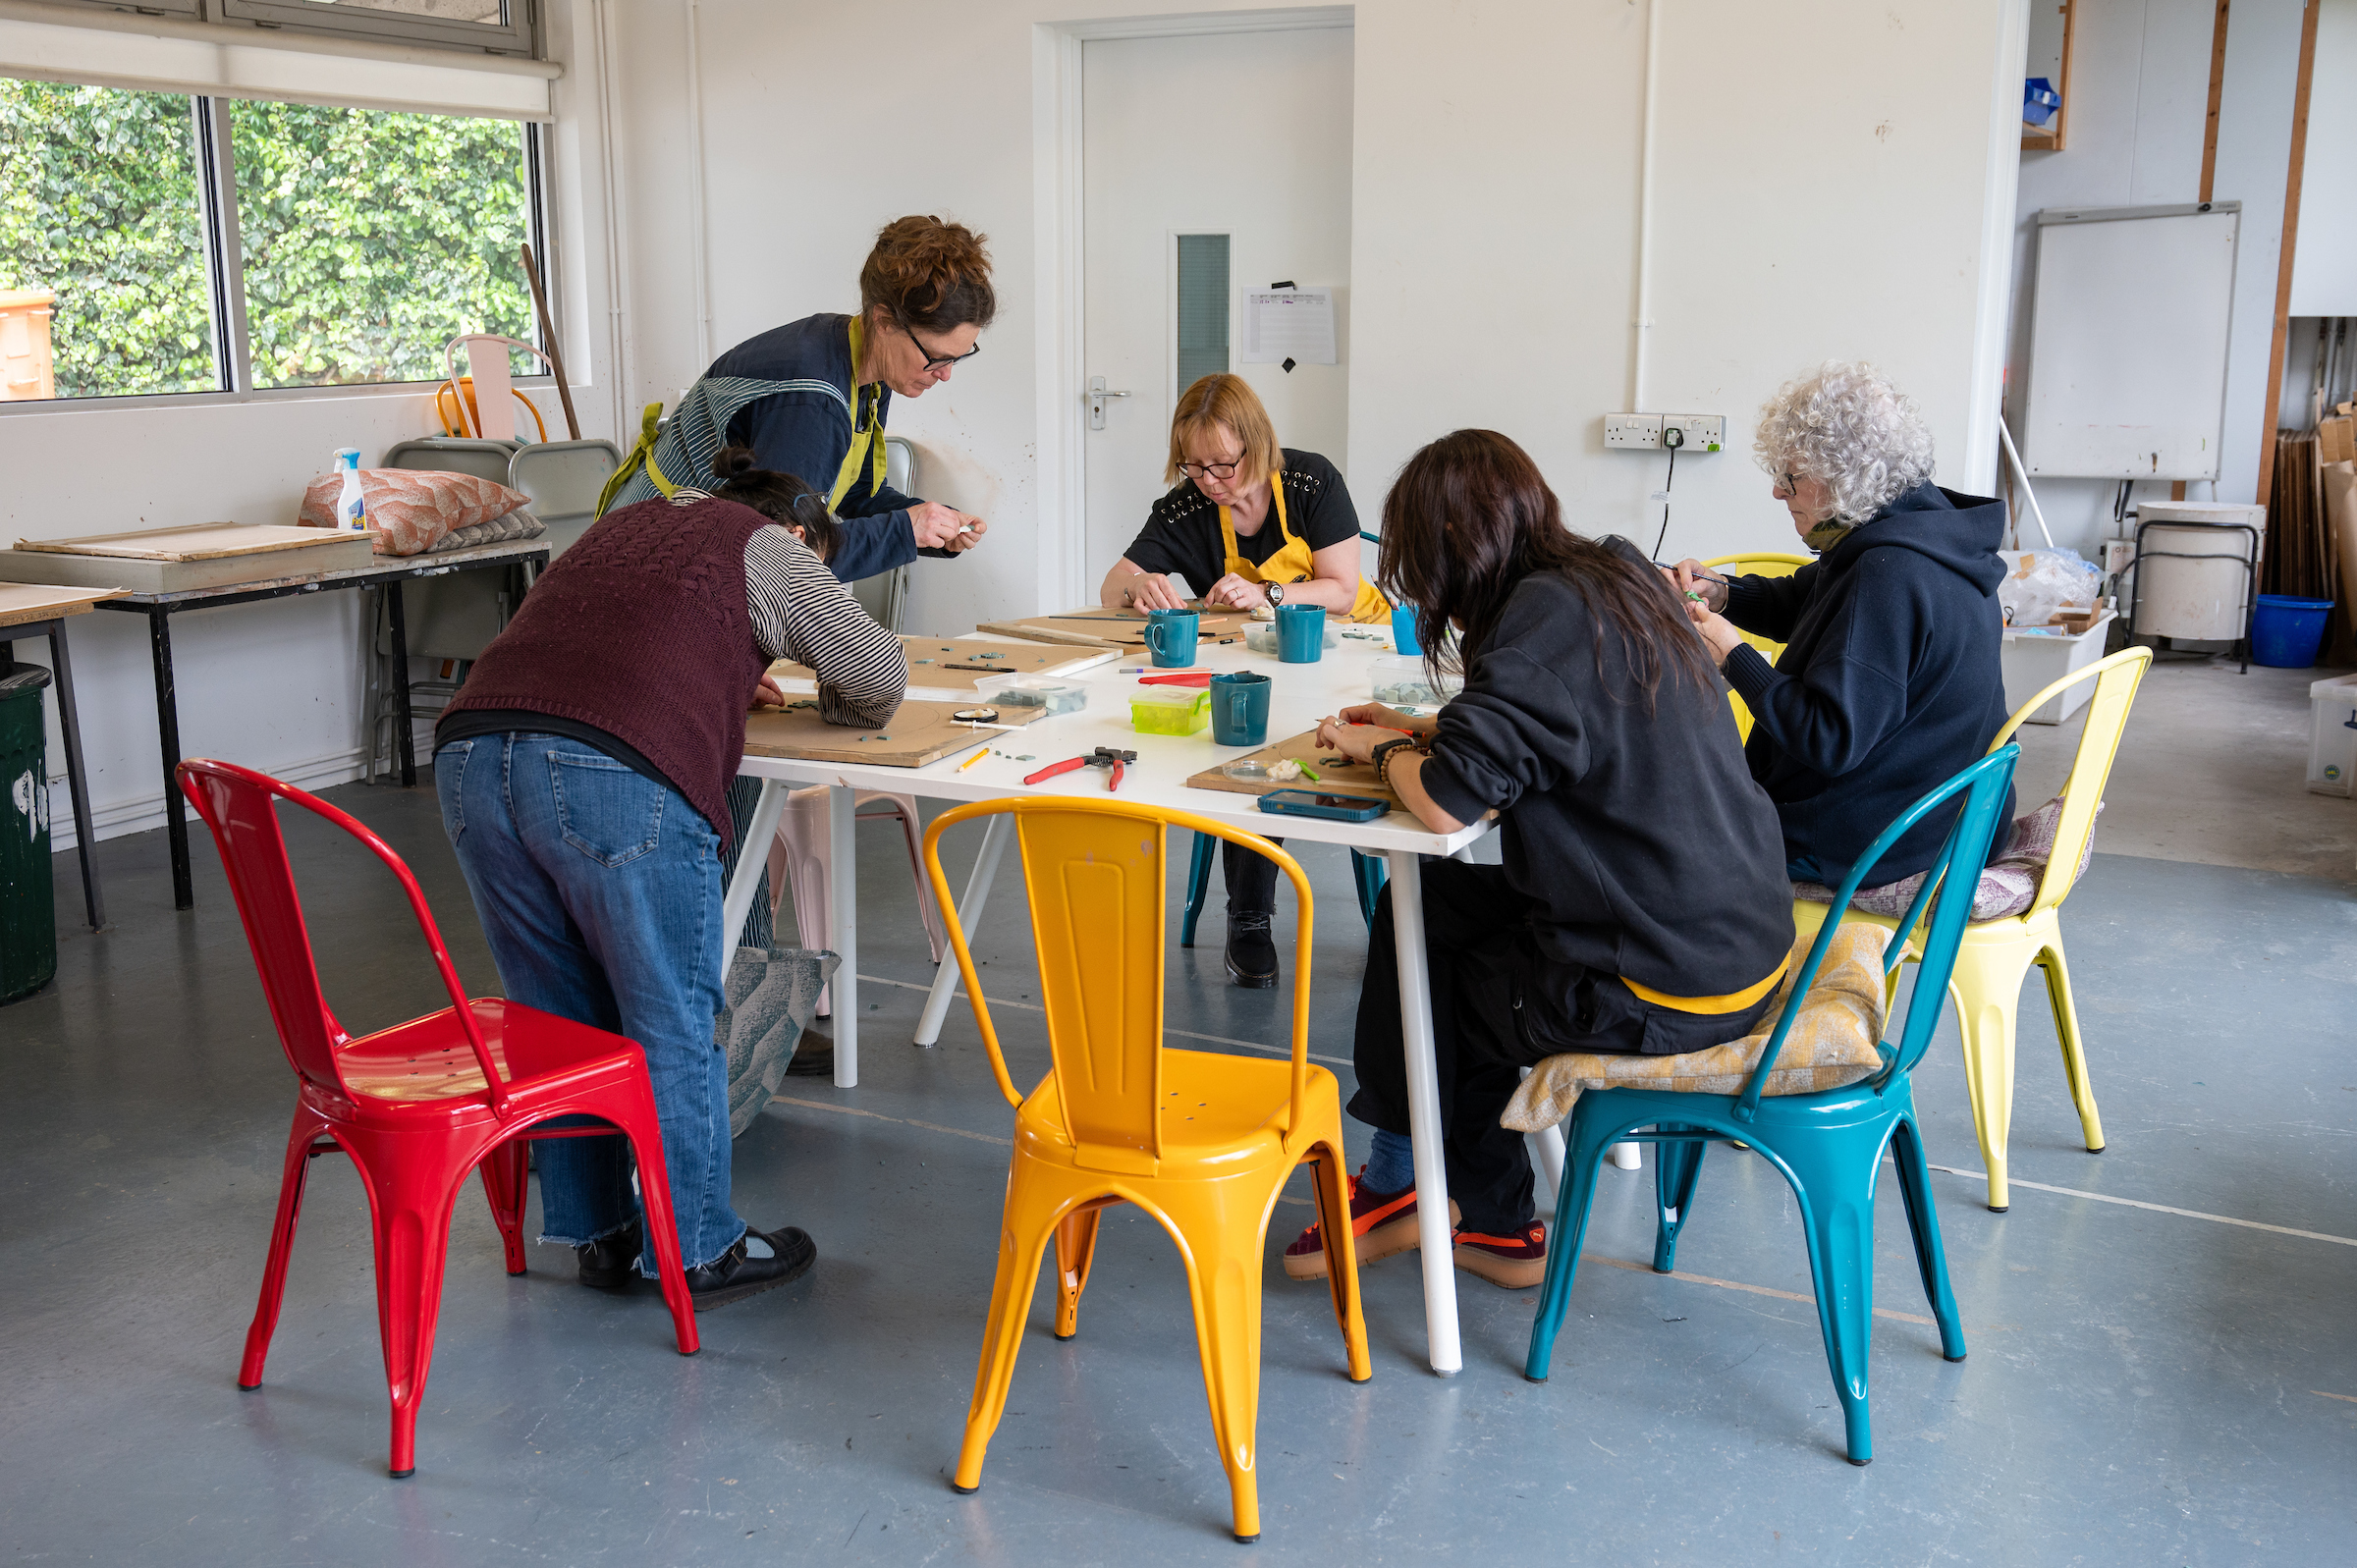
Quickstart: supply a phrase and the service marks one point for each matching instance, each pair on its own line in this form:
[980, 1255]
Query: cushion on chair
[2008, 887]
[1831, 1043]
[412, 510]
[517, 525]
[771, 995]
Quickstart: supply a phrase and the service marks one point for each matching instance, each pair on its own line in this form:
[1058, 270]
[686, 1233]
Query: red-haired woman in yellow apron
[1250, 523]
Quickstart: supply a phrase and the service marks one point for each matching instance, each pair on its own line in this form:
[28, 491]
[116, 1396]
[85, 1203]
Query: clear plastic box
[1033, 691]
[1400, 680]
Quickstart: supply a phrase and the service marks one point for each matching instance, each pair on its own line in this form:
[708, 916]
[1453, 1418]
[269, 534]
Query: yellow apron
[1292, 561]
[867, 445]
[642, 453]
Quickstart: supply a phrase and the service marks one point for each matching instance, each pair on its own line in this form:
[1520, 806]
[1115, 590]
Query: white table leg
[842, 919]
[1547, 1152]
[1424, 1116]
[752, 858]
[968, 914]
[1628, 1156]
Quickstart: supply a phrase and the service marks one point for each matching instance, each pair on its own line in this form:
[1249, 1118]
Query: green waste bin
[28, 904]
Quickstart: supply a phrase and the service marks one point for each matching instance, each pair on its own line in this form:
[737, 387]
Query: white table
[1302, 694]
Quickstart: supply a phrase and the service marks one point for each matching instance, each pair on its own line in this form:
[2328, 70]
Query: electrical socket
[1704, 432]
[1632, 431]
[2118, 555]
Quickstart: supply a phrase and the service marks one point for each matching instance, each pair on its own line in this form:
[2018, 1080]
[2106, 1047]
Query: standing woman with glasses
[1250, 523]
[810, 397]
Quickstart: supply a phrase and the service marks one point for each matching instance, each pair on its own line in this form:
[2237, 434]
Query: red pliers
[1102, 757]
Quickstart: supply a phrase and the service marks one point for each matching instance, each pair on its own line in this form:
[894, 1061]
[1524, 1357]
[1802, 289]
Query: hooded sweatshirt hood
[1962, 532]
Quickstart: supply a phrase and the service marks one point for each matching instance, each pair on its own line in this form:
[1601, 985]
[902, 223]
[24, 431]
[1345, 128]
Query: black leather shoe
[813, 1057]
[738, 1274]
[1251, 950]
[610, 1263]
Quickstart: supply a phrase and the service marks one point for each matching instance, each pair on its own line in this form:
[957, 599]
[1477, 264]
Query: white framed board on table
[2129, 328]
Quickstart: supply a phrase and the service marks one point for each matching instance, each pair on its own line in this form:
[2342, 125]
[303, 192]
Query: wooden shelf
[2052, 138]
[2041, 142]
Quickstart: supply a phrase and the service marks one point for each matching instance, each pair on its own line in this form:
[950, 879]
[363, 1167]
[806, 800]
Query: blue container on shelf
[2285, 632]
[2039, 101]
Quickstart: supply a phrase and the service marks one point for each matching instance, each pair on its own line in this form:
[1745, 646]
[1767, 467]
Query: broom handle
[548, 336]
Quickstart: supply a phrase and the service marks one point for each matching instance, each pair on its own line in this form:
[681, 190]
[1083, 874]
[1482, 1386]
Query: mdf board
[946, 661]
[180, 560]
[21, 602]
[1336, 775]
[2128, 335]
[1117, 628]
[920, 732]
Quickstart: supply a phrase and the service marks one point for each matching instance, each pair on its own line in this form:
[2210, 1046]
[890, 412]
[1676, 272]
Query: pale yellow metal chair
[1763, 564]
[1995, 954]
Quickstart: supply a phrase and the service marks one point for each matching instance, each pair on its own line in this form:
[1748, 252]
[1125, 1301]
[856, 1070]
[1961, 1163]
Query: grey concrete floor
[2146, 1385]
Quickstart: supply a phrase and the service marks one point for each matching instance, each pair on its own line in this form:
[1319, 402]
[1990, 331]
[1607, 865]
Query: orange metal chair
[417, 1105]
[1200, 1141]
[1763, 564]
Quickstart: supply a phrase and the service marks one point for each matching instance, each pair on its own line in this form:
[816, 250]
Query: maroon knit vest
[640, 629]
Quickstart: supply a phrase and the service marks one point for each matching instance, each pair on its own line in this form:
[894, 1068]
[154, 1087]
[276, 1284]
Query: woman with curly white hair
[1888, 681]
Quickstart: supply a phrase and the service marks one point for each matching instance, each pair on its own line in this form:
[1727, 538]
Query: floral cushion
[1833, 1042]
[2008, 884]
[413, 510]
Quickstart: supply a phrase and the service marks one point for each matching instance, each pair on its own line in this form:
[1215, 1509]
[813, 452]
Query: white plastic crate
[2332, 739]
[2035, 660]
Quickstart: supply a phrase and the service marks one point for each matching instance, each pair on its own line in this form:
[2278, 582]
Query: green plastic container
[28, 904]
[1170, 709]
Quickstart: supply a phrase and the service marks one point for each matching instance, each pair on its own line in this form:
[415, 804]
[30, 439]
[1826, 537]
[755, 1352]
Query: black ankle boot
[1251, 950]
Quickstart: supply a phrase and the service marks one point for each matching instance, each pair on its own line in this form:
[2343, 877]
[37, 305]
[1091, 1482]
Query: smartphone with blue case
[1311, 803]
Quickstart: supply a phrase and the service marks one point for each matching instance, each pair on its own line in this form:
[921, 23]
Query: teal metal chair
[1367, 870]
[1828, 1144]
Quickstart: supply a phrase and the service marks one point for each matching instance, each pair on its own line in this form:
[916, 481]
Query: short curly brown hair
[930, 274]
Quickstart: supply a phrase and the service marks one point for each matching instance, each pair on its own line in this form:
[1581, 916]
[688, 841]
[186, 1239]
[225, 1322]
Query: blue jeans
[600, 892]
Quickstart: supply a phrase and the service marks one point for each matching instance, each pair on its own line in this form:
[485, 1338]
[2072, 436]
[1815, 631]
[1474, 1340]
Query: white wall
[2140, 90]
[276, 686]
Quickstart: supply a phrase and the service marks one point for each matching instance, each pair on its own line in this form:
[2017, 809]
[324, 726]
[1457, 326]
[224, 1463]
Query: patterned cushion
[412, 510]
[1831, 1043]
[517, 525]
[2008, 885]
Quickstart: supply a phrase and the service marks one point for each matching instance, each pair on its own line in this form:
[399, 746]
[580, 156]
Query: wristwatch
[1380, 756]
[1276, 594]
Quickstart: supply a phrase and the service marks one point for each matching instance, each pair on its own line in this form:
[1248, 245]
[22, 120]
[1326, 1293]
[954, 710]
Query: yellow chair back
[2115, 681]
[1096, 870]
[1764, 564]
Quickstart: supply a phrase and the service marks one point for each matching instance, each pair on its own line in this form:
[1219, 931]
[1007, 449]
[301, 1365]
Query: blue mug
[1170, 637]
[1240, 709]
[1403, 629]
[1300, 633]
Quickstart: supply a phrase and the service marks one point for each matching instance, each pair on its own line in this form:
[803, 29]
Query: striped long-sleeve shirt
[801, 611]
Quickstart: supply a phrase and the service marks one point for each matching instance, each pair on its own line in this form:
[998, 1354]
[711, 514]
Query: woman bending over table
[1641, 906]
[583, 776]
[1250, 523]
[1888, 683]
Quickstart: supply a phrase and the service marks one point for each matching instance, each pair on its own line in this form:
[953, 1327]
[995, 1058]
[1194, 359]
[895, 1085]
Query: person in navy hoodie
[1888, 683]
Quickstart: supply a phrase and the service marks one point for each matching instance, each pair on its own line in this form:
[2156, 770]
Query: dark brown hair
[929, 274]
[782, 498]
[1470, 518]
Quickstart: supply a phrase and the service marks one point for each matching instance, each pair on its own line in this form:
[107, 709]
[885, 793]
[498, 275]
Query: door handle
[1096, 402]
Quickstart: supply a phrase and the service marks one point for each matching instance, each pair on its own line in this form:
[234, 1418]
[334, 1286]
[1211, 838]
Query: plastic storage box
[2332, 744]
[2033, 660]
[1033, 691]
[1399, 679]
[1170, 709]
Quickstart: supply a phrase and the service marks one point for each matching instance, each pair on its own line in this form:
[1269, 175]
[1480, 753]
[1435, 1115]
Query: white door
[1246, 135]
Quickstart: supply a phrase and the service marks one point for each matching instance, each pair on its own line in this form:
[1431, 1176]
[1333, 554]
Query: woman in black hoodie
[1888, 683]
[1641, 906]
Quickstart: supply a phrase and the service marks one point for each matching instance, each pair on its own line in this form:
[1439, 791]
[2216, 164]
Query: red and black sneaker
[1516, 1261]
[1381, 1224]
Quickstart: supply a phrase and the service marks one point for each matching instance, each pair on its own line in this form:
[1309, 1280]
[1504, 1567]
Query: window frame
[224, 276]
[520, 34]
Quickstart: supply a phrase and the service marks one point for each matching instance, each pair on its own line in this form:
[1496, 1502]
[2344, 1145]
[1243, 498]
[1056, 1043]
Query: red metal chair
[420, 1105]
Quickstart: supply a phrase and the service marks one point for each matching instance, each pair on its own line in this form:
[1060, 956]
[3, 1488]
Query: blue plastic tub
[2285, 632]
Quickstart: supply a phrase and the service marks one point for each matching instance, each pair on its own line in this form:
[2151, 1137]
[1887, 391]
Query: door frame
[1060, 376]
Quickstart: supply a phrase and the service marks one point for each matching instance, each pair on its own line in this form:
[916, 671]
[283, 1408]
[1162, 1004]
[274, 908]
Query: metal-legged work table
[34, 611]
[388, 573]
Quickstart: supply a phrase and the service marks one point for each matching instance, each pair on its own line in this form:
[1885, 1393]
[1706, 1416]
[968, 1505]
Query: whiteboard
[2128, 334]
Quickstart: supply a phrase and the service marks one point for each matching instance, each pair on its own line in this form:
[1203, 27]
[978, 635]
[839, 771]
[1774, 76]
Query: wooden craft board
[193, 541]
[920, 732]
[19, 603]
[1336, 777]
[946, 661]
[1121, 628]
[316, 552]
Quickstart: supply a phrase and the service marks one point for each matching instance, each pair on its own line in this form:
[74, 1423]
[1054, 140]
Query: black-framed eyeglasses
[1792, 484]
[1215, 470]
[936, 361]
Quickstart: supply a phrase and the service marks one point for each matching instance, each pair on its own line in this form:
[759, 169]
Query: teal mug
[1170, 637]
[1300, 633]
[1240, 709]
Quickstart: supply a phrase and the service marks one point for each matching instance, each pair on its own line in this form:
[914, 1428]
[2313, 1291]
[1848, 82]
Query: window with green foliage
[367, 240]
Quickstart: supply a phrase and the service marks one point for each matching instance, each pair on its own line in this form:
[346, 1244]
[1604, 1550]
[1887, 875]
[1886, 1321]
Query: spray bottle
[352, 514]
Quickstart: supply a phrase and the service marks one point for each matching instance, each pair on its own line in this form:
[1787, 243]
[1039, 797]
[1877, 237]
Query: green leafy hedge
[370, 239]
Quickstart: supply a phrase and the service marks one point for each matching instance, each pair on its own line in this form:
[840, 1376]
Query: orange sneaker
[1516, 1261]
[1381, 1224]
